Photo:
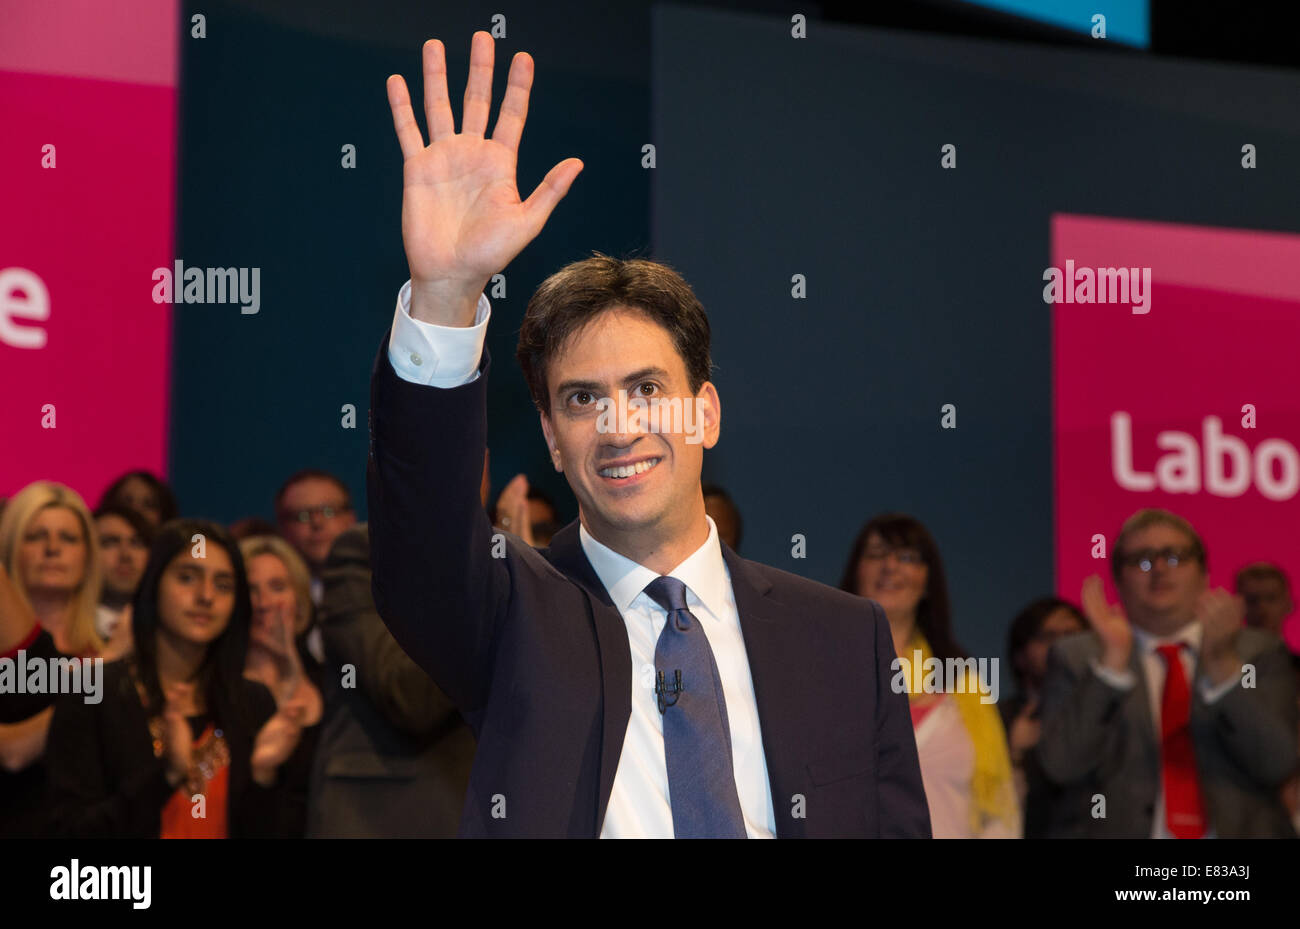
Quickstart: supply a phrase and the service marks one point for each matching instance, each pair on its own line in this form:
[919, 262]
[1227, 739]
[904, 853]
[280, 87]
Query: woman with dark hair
[144, 493]
[959, 738]
[182, 745]
[1030, 637]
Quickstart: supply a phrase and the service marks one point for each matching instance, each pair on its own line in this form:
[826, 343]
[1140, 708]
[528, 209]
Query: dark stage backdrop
[775, 156]
[269, 99]
[821, 157]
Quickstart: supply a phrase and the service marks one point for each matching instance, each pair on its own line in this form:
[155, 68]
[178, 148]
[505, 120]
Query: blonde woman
[280, 587]
[50, 551]
[49, 591]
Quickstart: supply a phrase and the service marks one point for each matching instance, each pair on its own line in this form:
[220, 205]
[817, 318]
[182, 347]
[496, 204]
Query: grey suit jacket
[394, 755]
[1098, 740]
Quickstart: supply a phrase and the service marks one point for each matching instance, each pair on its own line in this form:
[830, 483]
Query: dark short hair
[578, 293]
[308, 474]
[541, 496]
[251, 526]
[1262, 570]
[934, 612]
[713, 490]
[1145, 519]
[1029, 622]
[168, 508]
[139, 525]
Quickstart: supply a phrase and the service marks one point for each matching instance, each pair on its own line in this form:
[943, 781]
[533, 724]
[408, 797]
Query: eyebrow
[640, 374]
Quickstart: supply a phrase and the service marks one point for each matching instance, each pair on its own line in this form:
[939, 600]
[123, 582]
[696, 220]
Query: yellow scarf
[993, 790]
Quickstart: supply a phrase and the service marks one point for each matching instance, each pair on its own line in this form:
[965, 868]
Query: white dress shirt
[1153, 667]
[639, 805]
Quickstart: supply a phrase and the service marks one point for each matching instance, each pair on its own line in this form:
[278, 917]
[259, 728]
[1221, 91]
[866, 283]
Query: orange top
[178, 819]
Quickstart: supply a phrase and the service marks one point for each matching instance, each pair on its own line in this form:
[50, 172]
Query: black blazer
[535, 654]
[105, 781]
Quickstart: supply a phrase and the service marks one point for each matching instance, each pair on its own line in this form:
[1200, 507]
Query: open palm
[462, 217]
[1109, 623]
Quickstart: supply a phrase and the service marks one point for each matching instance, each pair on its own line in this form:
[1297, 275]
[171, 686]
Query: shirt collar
[1189, 635]
[704, 572]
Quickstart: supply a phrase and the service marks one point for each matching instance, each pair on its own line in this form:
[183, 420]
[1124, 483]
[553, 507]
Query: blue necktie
[697, 739]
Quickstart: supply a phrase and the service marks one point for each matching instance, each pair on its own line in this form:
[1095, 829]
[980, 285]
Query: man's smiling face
[624, 349]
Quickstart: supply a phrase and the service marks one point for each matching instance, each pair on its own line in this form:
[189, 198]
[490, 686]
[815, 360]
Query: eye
[579, 393]
[651, 384]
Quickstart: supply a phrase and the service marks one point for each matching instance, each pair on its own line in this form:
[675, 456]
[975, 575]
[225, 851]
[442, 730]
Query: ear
[709, 408]
[551, 446]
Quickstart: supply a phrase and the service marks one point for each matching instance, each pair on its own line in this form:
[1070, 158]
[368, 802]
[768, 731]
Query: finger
[408, 133]
[478, 89]
[550, 192]
[1093, 600]
[514, 108]
[178, 691]
[437, 103]
[285, 628]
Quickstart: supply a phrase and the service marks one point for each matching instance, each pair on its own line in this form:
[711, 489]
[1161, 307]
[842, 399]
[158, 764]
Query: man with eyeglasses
[1170, 718]
[313, 508]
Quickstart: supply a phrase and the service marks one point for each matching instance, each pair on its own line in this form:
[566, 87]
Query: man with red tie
[1170, 719]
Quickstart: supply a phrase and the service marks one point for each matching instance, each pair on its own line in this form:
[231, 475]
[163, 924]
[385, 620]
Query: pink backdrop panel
[1220, 338]
[91, 229]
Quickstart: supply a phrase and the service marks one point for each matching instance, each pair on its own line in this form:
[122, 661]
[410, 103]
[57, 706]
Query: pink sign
[88, 106]
[1179, 393]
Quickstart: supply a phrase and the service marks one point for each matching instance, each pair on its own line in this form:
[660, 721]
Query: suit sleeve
[354, 634]
[1257, 725]
[1078, 709]
[904, 810]
[435, 581]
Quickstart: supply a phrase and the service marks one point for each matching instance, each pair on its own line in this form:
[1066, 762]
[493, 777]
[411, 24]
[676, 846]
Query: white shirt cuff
[1120, 680]
[1211, 693]
[439, 356]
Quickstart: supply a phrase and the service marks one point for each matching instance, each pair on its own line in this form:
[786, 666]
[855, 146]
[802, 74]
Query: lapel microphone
[663, 692]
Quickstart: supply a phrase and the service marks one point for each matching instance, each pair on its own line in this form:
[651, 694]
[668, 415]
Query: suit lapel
[566, 554]
[769, 646]
[1145, 722]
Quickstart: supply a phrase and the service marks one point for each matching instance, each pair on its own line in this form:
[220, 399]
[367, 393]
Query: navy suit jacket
[532, 650]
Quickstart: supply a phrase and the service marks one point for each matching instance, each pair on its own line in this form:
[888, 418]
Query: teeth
[628, 470]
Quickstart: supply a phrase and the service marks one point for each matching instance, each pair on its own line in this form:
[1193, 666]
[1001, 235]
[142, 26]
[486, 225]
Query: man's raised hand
[462, 218]
[1111, 626]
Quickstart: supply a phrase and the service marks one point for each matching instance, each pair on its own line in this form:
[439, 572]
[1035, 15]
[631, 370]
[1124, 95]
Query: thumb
[551, 191]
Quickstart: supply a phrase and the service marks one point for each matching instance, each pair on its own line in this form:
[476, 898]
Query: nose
[207, 591]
